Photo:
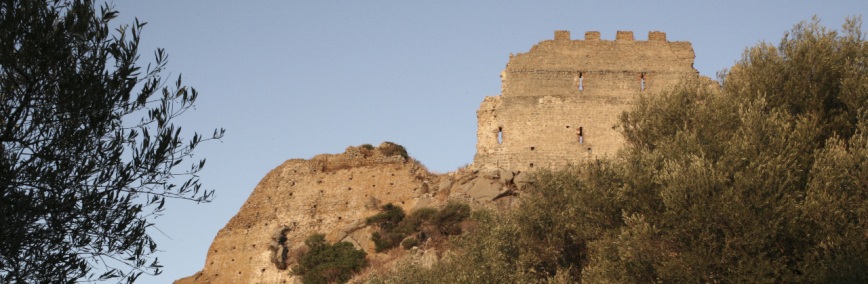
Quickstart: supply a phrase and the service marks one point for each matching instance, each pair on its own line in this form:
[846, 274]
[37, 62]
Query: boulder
[484, 189]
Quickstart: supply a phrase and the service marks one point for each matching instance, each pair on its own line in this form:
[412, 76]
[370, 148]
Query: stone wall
[329, 194]
[562, 85]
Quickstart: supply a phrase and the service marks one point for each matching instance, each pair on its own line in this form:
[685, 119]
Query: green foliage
[722, 185]
[325, 263]
[89, 148]
[392, 228]
[488, 255]
[367, 146]
[420, 225]
[561, 213]
[410, 242]
[484, 258]
[448, 220]
[391, 149]
[388, 218]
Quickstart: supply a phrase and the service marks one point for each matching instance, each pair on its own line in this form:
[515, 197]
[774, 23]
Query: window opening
[581, 83]
[581, 135]
[642, 78]
[500, 135]
[532, 148]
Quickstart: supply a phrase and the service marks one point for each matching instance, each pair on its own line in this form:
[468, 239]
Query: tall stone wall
[563, 85]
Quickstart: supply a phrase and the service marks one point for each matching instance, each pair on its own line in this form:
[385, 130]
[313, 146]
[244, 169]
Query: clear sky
[292, 79]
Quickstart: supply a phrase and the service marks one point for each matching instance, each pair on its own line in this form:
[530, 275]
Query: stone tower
[562, 87]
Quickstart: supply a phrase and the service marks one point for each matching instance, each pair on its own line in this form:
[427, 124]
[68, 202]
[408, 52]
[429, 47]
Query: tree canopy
[88, 146]
[761, 180]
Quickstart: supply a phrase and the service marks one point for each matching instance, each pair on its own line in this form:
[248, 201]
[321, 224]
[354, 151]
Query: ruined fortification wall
[333, 194]
[329, 194]
[562, 85]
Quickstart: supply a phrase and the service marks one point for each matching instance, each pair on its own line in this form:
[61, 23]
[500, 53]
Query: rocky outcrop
[333, 194]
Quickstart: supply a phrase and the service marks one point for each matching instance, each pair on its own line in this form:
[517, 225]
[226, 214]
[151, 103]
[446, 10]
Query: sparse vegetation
[391, 149]
[329, 263]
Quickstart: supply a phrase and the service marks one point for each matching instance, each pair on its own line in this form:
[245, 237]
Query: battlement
[560, 100]
[624, 35]
[656, 36]
[561, 35]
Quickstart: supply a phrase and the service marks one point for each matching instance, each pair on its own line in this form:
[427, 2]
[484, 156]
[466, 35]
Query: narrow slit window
[500, 135]
[581, 135]
[581, 82]
[642, 79]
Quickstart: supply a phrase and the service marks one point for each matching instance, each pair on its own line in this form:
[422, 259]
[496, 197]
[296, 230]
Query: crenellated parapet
[563, 87]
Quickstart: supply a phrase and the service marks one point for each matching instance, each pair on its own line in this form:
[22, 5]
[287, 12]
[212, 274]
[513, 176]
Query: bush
[410, 242]
[448, 220]
[392, 229]
[425, 222]
[391, 149]
[486, 256]
[389, 218]
[324, 263]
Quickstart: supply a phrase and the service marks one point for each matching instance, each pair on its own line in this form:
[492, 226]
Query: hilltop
[630, 170]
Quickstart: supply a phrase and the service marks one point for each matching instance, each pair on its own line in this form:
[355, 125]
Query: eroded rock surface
[333, 195]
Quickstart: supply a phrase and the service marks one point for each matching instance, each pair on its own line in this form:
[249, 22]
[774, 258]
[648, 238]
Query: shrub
[389, 218]
[391, 149]
[367, 146]
[395, 227]
[410, 242]
[487, 255]
[325, 263]
[448, 220]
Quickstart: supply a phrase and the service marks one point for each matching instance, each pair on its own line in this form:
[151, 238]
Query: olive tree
[760, 179]
[89, 150]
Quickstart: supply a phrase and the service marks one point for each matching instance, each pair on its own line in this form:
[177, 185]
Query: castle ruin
[548, 94]
[560, 101]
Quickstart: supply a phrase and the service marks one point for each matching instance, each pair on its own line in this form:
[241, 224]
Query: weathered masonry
[560, 101]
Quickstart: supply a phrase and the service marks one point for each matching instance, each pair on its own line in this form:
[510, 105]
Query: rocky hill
[333, 194]
[558, 105]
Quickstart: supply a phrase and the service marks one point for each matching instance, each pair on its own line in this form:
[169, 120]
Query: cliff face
[333, 195]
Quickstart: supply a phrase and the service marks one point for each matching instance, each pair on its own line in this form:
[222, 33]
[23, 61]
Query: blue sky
[292, 79]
